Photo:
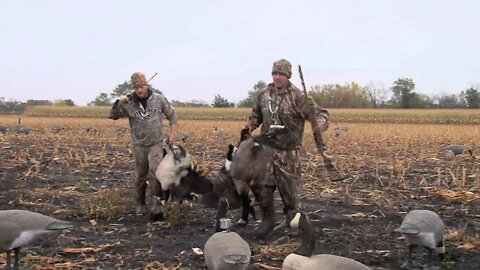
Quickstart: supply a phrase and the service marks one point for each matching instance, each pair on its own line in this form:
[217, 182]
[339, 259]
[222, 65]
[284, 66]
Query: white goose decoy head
[20, 228]
[423, 228]
[301, 221]
[226, 250]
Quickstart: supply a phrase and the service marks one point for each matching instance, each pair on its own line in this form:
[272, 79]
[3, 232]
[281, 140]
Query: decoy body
[226, 250]
[321, 262]
[302, 257]
[456, 149]
[19, 228]
[422, 228]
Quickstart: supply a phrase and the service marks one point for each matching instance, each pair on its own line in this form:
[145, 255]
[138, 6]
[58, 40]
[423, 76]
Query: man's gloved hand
[123, 100]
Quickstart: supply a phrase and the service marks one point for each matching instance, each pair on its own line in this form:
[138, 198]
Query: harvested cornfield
[84, 173]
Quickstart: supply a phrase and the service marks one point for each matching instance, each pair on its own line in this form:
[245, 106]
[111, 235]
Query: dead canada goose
[209, 191]
[173, 167]
[302, 257]
[20, 227]
[226, 250]
[423, 228]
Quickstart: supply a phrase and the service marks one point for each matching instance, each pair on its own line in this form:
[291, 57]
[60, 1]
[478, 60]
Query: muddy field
[86, 178]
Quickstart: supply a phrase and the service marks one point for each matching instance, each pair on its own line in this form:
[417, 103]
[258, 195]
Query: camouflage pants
[147, 159]
[284, 173]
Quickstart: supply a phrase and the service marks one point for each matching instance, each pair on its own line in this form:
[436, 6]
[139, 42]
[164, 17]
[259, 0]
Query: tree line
[401, 94]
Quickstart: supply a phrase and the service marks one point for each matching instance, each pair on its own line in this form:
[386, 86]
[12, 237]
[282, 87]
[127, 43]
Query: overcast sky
[77, 49]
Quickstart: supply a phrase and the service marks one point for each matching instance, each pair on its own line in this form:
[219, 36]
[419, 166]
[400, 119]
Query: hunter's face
[141, 91]
[279, 80]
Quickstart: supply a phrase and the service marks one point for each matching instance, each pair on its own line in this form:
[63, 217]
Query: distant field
[87, 178]
[432, 116]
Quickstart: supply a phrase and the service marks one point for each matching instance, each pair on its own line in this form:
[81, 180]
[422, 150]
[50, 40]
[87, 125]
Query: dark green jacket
[292, 108]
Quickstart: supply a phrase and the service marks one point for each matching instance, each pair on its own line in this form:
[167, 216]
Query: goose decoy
[422, 228]
[3, 129]
[226, 250]
[184, 137]
[57, 128]
[456, 149]
[218, 132]
[302, 257]
[20, 227]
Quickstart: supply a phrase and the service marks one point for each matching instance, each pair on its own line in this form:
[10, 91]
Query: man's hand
[173, 132]
[250, 128]
[171, 139]
[123, 100]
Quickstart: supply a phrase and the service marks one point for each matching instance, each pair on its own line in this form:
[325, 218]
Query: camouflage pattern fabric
[145, 123]
[293, 108]
[147, 137]
[138, 79]
[282, 66]
[147, 159]
[284, 173]
[288, 108]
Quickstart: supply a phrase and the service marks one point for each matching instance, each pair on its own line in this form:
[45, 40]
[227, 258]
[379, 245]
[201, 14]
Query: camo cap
[282, 66]
[138, 79]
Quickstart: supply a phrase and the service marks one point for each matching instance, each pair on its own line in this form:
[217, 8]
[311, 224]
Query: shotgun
[335, 174]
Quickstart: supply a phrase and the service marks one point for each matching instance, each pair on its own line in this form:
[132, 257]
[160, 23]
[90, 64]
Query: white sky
[77, 49]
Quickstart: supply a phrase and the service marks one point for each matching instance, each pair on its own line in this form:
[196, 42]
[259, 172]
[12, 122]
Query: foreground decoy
[423, 228]
[456, 149]
[302, 257]
[19, 228]
[226, 250]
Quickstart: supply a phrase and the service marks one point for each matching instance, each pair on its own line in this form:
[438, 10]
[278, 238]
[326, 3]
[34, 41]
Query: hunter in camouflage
[282, 109]
[144, 109]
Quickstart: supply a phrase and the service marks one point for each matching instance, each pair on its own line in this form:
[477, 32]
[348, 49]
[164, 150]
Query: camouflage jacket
[145, 123]
[287, 108]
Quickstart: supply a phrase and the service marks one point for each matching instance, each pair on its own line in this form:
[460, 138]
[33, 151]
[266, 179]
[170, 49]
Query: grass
[413, 116]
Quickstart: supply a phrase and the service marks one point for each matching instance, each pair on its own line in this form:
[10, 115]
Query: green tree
[63, 102]
[35, 102]
[252, 95]
[69, 102]
[122, 90]
[349, 95]
[420, 101]
[403, 93]
[125, 88]
[447, 101]
[11, 106]
[471, 97]
[103, 99]
[221, 102]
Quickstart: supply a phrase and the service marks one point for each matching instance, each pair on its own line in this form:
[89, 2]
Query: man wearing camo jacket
[282, 109]
[144, 109]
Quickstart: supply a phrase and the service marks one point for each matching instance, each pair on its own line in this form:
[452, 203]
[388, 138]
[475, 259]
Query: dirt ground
[87, 179]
